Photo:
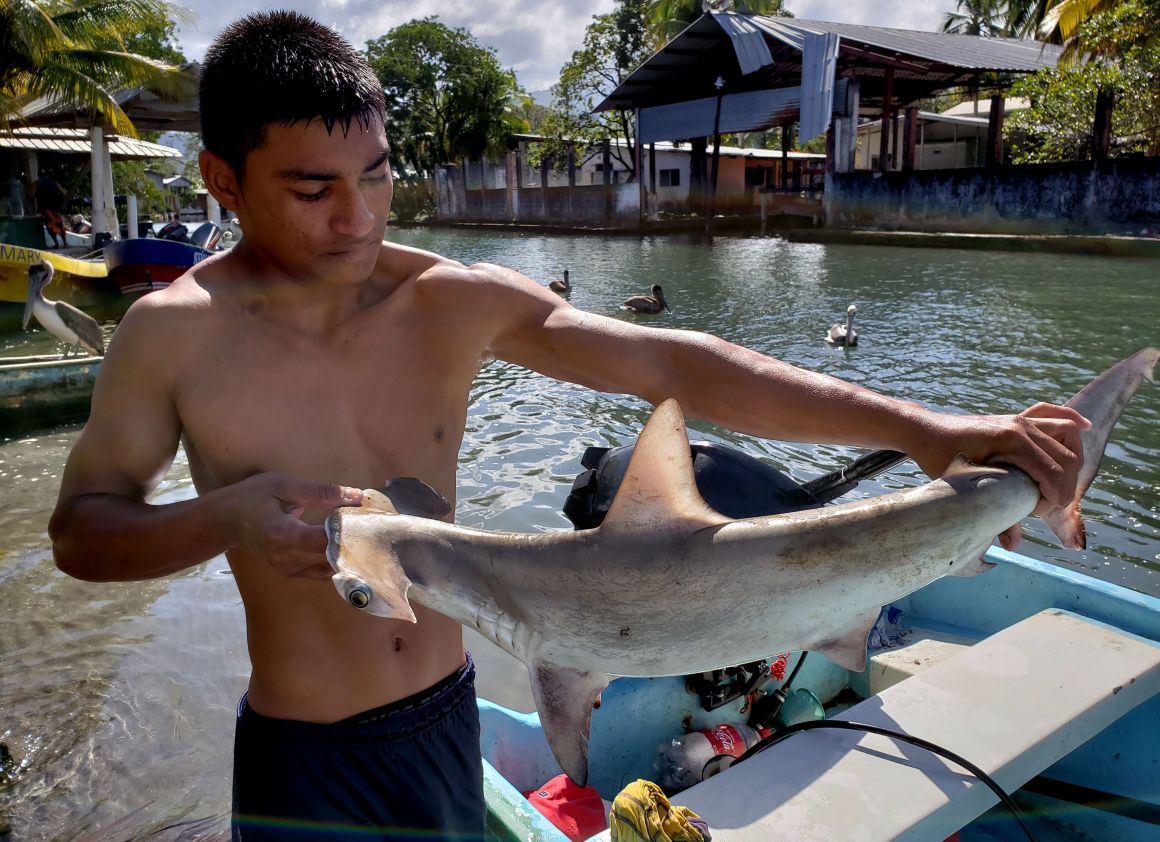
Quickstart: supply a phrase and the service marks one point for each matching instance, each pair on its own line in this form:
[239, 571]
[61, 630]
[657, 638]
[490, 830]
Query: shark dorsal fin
[659, 488]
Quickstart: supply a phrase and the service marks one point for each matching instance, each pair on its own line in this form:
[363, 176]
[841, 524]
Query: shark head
[380, 585]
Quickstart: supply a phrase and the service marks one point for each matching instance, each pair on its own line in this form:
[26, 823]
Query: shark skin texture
[668, 586]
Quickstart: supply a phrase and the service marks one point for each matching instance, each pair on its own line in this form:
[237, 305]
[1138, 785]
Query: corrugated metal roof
[969, 52]
[742, 112]
[76, 141]
[923, 61]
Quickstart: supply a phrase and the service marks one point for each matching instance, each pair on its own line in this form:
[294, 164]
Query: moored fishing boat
[1058, 706]
[36, 391]
[142, 265]
[83, 283]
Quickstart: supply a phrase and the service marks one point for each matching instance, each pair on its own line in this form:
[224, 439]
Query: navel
[398, 644]
[438, 435]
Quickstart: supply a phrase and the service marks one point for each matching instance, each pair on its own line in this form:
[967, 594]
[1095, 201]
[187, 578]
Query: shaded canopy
[756, 52]
[148, 111]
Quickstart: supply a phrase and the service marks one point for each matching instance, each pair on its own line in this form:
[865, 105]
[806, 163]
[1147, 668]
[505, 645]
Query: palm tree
[976, 17]
[72, 53]
[1024, 17]
[1065, 16]
[668, 18]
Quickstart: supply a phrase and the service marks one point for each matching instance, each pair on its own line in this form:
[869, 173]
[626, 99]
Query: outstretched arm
[744, 390]
[104, 530]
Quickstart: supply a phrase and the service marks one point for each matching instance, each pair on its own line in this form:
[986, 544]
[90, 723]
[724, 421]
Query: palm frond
[1067, 15]
[32, 31]
[120, 70]
[107, 21]
[68, 88]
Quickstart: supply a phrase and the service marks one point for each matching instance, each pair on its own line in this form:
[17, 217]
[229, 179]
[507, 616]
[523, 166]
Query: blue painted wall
[1118, 196]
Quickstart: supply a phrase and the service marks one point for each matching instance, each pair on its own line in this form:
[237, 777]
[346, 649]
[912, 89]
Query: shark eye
[359, 597]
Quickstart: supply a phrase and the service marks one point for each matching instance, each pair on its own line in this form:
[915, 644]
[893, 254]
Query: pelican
[561, 286]
[844, 334]
[62, 320]
[647, 303]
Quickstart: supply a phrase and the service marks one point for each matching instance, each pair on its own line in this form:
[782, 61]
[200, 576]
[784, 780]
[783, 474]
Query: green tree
[1125, 54]
[448, 98]
[668, 18]
[74, 53]
[155, 37]
[614, 46]
[986, 18]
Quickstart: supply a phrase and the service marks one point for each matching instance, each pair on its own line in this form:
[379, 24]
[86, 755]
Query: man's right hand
[263, 514]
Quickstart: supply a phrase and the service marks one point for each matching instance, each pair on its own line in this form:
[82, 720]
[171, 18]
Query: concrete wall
[1118, 196]
[584, 205]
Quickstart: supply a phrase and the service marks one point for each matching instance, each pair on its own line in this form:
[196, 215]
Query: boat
[80, 282]
[1045, 678]
[141, 265]
[39, 391]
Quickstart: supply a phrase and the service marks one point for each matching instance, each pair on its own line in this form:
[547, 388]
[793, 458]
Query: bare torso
[382, 395]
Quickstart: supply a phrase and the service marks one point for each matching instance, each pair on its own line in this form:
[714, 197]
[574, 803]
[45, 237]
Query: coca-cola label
[726, 739]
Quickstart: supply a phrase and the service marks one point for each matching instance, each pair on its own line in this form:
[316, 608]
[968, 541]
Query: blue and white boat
[1046, 679]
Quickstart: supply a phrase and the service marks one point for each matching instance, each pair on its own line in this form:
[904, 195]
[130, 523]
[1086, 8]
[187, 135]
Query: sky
[533, 38]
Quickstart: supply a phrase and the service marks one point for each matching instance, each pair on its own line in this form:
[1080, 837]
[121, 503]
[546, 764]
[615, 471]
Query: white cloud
[534, 39]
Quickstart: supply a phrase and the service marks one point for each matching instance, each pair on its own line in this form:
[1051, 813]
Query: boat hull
[82, 283]
[1114, 772]
[142, 265]
[42, 391]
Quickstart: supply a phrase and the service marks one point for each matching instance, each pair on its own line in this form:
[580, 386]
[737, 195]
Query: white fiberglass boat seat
[1013, 704]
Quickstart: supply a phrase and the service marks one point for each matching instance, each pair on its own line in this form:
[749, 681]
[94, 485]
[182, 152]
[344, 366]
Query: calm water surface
[117, 700]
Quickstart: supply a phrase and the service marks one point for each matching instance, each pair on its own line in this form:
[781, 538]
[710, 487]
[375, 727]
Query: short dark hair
[281, 67]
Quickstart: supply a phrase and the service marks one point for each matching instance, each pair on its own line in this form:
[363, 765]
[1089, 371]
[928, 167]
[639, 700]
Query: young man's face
[315, 203]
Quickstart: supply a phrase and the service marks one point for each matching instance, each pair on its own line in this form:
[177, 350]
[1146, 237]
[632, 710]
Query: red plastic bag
[576, 810]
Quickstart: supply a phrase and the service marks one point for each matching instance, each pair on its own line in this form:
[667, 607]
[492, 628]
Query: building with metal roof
[731, 72]
[77, 142]
[759, 53]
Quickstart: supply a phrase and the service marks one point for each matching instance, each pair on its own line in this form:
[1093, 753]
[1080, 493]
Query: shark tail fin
[564, 697]
[1067, 524]
[1101, 402]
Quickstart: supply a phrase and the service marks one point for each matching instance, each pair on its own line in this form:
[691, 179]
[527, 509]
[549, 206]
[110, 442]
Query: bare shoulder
[486, 289]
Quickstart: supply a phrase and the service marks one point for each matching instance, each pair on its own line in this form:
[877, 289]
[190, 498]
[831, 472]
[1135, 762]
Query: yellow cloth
[642, 813]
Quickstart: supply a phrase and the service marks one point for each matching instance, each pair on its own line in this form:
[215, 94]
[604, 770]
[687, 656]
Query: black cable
[842, 724]
[794, 673]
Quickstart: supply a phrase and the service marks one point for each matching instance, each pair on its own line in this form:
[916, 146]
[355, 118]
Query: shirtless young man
[314, 359]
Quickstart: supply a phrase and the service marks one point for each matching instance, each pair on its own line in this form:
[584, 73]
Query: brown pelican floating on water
[62, 320]
[844, 334]
[561, 286]
[647, 303]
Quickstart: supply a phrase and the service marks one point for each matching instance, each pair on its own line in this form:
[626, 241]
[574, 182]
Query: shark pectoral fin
[659, 489]
[1067, 524]
[973, 567]
[411, 496]
[849, 650]
[564, 698]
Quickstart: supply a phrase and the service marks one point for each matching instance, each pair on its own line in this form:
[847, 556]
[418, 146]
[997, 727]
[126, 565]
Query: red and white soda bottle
[691, 758]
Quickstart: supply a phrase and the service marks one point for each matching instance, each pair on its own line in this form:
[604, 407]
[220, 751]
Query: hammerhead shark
[668, 586]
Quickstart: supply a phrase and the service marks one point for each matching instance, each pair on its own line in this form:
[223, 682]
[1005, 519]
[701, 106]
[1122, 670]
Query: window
[670, 178]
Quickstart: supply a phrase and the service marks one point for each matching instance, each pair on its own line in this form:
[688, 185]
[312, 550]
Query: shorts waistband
[394, 719]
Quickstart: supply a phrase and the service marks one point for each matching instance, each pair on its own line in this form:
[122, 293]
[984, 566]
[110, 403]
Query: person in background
[16, 194]
[50, 198]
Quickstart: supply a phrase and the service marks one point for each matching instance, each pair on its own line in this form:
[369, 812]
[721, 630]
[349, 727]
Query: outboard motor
[175, 231]
[732, 482]
[206, 236]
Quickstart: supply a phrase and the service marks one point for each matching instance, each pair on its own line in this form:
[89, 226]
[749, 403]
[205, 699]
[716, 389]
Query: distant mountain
[541, 97]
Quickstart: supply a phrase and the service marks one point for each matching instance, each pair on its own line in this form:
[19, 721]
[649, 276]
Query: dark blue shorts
[410, 769]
